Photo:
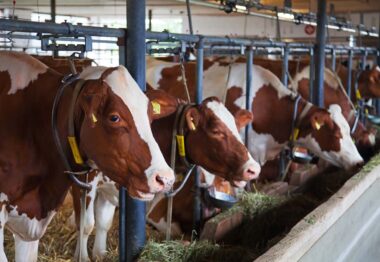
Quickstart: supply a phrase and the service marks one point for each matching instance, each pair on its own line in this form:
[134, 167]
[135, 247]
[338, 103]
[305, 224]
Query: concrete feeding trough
[344, 228]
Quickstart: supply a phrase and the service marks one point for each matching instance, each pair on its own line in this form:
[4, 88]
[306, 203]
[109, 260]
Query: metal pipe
[318, 96]
[285, 66]
[189, 17]
[52, 10]
[63, 29]
[150, 16]
[349, 69]
[197, 214]
[136, 66]
[122, 191]
[333, 60]
[311, 76]
[248, 102]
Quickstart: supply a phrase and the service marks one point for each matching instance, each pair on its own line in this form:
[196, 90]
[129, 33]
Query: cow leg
[3, 220]
[26, 251]
[104, 212]
[89, 223]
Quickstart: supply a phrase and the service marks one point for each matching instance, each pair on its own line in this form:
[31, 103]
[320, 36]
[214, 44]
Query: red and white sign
[309, 29]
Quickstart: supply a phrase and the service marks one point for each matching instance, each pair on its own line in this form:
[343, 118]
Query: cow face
[116, 133]
[373, 82]
[329, 137]
[213, 142]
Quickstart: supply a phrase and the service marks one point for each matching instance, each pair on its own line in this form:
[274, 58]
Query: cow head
[115, 132]
[365, 140]
[327, 134]
[371, 83]
[213, 141]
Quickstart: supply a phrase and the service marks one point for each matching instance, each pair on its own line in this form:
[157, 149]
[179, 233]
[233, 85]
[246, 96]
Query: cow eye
[114, 118]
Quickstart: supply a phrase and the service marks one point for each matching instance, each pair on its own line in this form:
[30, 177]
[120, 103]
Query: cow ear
[192, 118]
[162, 103]
[242, 118]
[91, 99]
[320, 119]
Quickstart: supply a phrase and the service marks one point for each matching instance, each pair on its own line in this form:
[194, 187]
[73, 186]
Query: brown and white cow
[212, 141]
[324, 132]
[334, 93]
[120, 143]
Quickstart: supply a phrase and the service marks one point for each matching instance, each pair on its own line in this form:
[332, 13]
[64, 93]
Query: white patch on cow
[372, 139]
[104, 212]
[215, 81]
[348, 156]
[209, 178]
[162, 225]
[28, 229]
[26, 251]
[378, 68]
[22, 68]
[3, 220]
[329, 78]
[124, 86]
[264, 147]
[154, 69]
[226, 117]
[89, 220]
[3, 197]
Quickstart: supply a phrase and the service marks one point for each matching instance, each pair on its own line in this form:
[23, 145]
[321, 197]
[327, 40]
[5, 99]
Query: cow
[334, 93]
[211, 141]
[112, 129]
[325, 132]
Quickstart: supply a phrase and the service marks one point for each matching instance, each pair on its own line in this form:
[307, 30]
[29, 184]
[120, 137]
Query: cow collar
[67, 81]
[179, 131]
[296, 121]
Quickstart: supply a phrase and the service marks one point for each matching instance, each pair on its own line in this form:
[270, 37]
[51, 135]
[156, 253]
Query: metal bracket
[49, 43]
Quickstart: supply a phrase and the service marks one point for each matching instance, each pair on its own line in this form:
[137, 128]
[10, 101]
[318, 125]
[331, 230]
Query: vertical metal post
[197, 215]
[248, 102]
[333, 60]
[318, 96]
[349, 69]
[150, 16]
[122, 192]
[189, 17]
[53, 10]
[285, 65]
[311, 76]
[135, 215]
[364, 60]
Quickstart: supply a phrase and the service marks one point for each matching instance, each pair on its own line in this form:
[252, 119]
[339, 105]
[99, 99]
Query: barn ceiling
[341, 6]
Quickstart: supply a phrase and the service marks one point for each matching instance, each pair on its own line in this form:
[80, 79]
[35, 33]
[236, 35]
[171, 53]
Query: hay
[58, 243]
[200, 251]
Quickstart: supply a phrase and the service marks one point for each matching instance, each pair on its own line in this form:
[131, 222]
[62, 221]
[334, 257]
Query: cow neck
[80, 168]
[297, 118]
[180, 132]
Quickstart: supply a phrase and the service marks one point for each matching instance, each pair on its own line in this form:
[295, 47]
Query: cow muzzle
[251, 170]
[161, 181]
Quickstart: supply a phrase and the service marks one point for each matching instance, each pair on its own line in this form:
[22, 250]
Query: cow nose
[251, 172]
[163, 181]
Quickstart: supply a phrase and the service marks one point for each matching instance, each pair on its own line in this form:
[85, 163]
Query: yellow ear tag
[94, 119]
[317, 125]
[156, 108]
[74, 149]
[181, 145]
[295, 134]
[358, 95]
[192, 126]
[366, 112]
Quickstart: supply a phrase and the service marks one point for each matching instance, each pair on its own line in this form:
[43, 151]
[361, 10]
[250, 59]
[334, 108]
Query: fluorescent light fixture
[309, 23]
[286, 16]
[374, 34]
[351, 30]
[241, 8]
[335, 27]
